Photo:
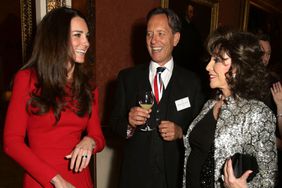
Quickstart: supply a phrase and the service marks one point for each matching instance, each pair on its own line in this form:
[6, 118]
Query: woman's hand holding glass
[81, 155]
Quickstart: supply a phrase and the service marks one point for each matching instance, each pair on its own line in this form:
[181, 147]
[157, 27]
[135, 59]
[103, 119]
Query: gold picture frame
[263, 18]
[28, 15]
[27, 27]
[263, 5]
[212, 4]
[164, 3]
[44, 6]
[51, 4]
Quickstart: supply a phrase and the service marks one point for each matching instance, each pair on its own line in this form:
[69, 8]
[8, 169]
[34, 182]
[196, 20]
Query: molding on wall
[26, 28]
[44, 6]
[214, 5]
[164, 3]
[268, 6]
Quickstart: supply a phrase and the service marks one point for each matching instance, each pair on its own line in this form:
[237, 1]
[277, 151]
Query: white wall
[108, 164]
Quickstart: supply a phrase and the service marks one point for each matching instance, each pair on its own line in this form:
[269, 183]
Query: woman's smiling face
[79, 34]
[217, 69]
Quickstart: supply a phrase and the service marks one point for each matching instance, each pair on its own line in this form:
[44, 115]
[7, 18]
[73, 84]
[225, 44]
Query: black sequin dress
[200, 164]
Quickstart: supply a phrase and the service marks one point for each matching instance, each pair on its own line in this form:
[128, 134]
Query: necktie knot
[160, 70]
[158, 84]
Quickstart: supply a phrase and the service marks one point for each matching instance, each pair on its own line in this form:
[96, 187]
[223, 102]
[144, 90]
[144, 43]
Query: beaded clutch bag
[243, 162]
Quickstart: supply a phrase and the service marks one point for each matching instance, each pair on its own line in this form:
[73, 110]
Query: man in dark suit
[153, 157]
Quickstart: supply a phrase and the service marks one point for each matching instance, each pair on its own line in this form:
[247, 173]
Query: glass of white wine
[146, 101]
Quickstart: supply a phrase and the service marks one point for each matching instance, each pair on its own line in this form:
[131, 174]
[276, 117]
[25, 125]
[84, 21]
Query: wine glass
[146, 101]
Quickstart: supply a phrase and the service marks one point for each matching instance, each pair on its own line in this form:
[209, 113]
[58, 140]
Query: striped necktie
[158, 84]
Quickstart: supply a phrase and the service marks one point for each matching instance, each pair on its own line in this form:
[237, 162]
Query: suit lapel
[168, 98]
[169, 90]
[143, 83]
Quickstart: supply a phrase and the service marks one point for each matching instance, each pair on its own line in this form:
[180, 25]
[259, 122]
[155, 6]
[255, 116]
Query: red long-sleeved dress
[48, 144]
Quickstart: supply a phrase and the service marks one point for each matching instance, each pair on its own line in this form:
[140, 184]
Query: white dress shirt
[165, 76]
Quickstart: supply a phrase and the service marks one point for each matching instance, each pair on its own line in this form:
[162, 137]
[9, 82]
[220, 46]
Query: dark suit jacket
[148, 160]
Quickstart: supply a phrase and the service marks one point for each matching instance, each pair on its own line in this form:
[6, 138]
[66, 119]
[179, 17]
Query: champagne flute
[146, 101]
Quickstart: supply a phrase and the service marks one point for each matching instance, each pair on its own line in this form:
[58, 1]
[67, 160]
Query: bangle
[279, 115]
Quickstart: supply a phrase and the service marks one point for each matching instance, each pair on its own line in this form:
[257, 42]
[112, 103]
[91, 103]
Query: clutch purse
[243, 162]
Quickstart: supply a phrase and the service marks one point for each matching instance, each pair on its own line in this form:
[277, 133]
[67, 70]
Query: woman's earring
[233, 75]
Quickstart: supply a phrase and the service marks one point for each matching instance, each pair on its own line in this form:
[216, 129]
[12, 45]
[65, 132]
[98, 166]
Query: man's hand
[138, 116]
[170, 131]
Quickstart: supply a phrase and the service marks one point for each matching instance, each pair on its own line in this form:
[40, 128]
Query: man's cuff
[130, 131]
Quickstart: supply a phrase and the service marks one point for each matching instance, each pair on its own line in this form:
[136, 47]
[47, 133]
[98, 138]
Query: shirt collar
[169, 66]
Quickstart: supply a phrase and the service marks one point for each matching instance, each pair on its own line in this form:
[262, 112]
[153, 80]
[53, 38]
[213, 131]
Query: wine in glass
[146, 101]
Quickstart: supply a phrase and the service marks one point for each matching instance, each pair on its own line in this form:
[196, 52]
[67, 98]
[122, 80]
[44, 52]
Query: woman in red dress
[55, 105]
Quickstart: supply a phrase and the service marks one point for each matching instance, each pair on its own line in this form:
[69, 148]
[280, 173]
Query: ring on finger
[84, 156]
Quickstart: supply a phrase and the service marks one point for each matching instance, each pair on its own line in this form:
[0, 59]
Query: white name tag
[182, 104]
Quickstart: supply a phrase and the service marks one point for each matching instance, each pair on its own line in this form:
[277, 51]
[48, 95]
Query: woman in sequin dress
[235, 121]
[55, 105]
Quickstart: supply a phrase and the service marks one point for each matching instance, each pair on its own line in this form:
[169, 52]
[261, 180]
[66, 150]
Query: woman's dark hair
[251, 80]
[173, 20]
[264, 37]
[49, 58]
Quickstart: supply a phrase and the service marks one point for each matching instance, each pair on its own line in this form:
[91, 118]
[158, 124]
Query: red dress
[48, 144]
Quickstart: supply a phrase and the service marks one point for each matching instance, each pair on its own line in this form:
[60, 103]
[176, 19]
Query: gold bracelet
[279, 115]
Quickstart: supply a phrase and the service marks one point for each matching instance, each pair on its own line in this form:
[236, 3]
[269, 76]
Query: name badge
[182, 104]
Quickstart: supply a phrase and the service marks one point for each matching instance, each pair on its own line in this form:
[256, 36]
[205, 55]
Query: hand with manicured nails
[59, 182]
[230, 181]
[276, 91]
[81, 155]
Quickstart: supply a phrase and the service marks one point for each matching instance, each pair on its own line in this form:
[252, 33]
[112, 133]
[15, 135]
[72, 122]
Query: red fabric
[156, 91]
[43, 157]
